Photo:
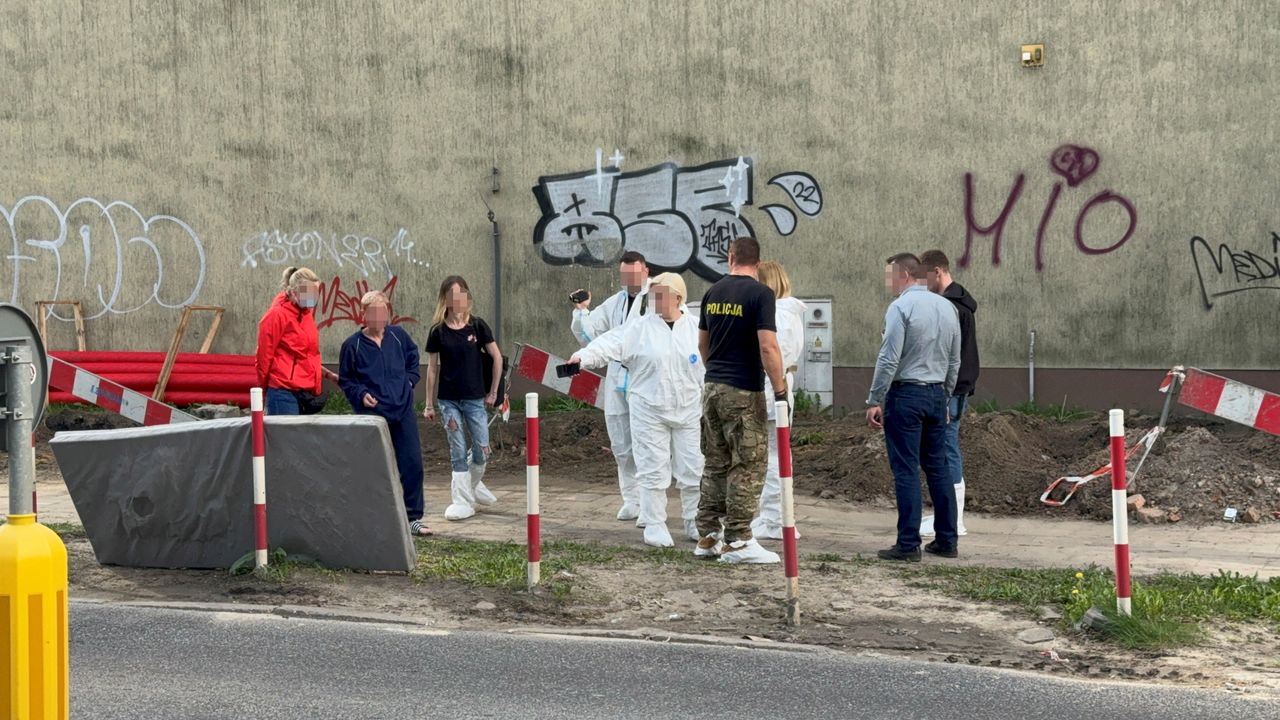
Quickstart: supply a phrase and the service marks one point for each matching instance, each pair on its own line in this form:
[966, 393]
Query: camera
[579, 296]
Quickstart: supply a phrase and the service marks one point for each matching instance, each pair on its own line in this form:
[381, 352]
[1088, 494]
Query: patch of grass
[1167, 608]
[1060, 413]
[53, 408]
[553, 404]
[824, 557]
[809, 438]
[281, 566]
[67, 531]
[502, 564]
[986, 406]
[337, 405]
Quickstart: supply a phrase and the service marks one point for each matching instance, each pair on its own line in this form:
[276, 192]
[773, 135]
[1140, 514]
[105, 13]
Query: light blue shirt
[921, 343]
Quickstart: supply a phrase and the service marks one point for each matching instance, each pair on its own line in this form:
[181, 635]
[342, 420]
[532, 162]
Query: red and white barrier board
[540, 367]
[96, 390]
[1229, 399]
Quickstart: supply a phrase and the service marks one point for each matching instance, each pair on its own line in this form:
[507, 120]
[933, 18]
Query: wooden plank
[42, 310]
[213, 330]
[169, 359]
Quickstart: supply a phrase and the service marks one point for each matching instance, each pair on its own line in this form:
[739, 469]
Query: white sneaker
[691, 530]
[629, 511]
[748, 552]
[657, 536]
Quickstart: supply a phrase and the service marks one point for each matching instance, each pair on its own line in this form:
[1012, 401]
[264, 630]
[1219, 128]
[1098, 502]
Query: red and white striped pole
[534, 526]
[259, 479]
[791, 558]
[1120, 513]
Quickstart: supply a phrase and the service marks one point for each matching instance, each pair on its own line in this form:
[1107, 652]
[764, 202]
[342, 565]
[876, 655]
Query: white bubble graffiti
[364, 253]
[145, 259]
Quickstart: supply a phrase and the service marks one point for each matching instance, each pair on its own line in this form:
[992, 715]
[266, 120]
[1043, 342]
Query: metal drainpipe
[497, 266]
[1031, 369]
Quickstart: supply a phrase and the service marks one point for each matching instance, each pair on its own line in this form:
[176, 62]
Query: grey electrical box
[17, 329]
[814, 375]
[814, 371]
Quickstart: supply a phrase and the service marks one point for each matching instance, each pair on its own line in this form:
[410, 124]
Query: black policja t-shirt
[733, 310]
[461, 362]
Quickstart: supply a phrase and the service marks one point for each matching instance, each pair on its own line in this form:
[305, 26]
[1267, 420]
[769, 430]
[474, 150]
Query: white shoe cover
[657, 536]
[463, 500]
[482, 494]
[748, 552]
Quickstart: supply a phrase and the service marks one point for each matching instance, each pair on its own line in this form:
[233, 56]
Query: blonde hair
[373, 297]
[294, 277]
[774, 275]
[442, 302]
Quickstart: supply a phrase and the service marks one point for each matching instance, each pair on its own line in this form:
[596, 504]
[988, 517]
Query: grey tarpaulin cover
[181, 495]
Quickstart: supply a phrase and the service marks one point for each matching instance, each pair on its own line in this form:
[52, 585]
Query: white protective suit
[789, 317]
[664, 397]
[587, 325]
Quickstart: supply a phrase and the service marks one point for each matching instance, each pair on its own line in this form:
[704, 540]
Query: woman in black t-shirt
[457, 347]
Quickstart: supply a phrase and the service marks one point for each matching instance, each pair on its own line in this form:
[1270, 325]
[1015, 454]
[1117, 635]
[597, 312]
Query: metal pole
[1031, 370]
[17, 378]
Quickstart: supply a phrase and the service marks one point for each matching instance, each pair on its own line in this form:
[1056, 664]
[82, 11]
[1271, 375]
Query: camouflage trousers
[737, 451]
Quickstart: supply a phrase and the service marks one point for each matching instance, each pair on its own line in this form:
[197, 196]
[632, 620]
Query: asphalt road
[130, 662]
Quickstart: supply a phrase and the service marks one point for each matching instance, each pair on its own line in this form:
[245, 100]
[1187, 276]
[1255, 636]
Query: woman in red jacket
[288, 358]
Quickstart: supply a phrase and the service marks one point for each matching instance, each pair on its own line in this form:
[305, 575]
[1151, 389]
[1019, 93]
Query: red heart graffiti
[1074, 163]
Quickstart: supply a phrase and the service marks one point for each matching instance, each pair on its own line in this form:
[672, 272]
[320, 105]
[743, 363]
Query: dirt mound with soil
[1198, 468]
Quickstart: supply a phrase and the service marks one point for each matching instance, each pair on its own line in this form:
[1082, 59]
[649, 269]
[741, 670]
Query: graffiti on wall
[1075, 164]
[110, 256]
[1224, 270]
[364, 254]
[678, 218]
[337, 305]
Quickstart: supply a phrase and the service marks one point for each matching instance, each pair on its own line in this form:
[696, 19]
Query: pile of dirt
[1199, 467]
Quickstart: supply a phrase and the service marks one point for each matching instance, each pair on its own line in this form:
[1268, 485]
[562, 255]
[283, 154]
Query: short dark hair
[935, 260]
[631, 256]
[905, 262]
[745, 250]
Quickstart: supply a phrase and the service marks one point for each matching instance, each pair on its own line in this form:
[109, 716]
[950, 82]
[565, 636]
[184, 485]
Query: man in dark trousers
[938, 275]
[738, 339]
[915, 375]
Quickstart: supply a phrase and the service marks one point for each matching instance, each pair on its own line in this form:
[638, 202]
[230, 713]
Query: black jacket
[966, 306]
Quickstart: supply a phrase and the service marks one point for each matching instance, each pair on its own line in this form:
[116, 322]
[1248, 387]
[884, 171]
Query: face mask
[307, 302]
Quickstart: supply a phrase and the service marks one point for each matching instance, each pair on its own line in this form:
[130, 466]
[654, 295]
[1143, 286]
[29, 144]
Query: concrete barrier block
[181, 496]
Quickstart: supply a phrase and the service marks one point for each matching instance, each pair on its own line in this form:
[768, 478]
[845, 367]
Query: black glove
[782, 397]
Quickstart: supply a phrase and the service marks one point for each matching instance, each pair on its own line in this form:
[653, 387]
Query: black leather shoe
[934, 548]
[897, 553]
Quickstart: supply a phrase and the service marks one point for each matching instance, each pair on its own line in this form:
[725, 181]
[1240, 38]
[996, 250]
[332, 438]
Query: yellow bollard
[35, 666]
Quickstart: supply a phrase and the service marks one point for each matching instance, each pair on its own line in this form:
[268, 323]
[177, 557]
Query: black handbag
[309, 403]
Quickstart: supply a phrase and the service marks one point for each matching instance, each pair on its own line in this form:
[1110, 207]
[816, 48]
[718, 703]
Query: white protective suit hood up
[789, 317]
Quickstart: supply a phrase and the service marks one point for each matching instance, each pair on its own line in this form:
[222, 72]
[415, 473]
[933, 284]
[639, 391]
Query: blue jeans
[956, 407]
[915, 428]
[470, 415]
[281, 402]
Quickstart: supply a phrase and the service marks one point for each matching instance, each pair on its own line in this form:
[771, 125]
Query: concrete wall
[359, 139]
